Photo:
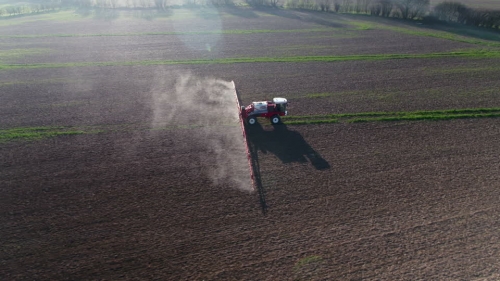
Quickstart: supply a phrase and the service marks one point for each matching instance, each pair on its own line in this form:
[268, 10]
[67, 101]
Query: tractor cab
[280, 105]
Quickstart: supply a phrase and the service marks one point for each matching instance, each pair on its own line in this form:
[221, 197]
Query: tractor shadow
[289, 146]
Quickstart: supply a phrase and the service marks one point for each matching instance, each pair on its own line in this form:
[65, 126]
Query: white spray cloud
[206, 107]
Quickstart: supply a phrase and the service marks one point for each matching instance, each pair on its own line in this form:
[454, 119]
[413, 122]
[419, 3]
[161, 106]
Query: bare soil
[374, 201]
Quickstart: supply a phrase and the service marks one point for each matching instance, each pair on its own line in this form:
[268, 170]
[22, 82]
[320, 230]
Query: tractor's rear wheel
[251, 120]
[275, 119]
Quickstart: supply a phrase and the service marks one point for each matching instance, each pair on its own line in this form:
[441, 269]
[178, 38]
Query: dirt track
[374, 201]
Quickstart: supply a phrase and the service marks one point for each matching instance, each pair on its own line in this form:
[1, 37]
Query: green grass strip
[34, 133]
[424, 117]
[10, 54]
[465, 69]
[308, 122]
[210, 32]
[37, 133]
[480, 54]
[400, 113]
[394, 116]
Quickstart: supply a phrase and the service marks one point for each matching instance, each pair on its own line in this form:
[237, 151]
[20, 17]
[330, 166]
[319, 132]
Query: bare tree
[496, 19]
[386, 7]
[410, 9]
[357, 6]
[85, 3]
[9, 10]
[145, 3]
[381, 7]
[375, 9]
[420, 8]
[366, 5]
[161, 4]
[291, 4]
[325, 5]
[101, 3]
[274, 3]
[19, 9]
[451, 12]
[490, 19]
[336, 6]
[255, 3]
[346, 6]
[307, 4]
[361, 6]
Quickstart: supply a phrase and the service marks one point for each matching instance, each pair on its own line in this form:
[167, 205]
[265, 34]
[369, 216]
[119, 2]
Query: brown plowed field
[150, 190]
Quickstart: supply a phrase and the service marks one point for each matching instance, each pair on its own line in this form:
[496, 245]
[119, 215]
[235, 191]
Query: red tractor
[268, 109]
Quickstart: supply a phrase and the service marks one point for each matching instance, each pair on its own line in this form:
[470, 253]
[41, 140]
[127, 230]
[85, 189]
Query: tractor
[272, 110]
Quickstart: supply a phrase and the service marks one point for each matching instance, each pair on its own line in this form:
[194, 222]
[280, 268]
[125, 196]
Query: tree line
[448, 11]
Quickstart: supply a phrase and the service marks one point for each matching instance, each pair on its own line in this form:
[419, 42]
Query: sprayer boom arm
[241, 121]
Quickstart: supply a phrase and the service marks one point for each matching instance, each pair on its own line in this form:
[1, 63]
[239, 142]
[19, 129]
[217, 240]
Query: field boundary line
[472, 54]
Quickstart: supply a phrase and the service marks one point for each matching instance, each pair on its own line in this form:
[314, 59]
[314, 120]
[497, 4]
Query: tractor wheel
[275, 119]
[251, 120]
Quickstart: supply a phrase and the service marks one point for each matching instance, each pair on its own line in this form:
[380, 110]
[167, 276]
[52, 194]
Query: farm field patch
[117, 164]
